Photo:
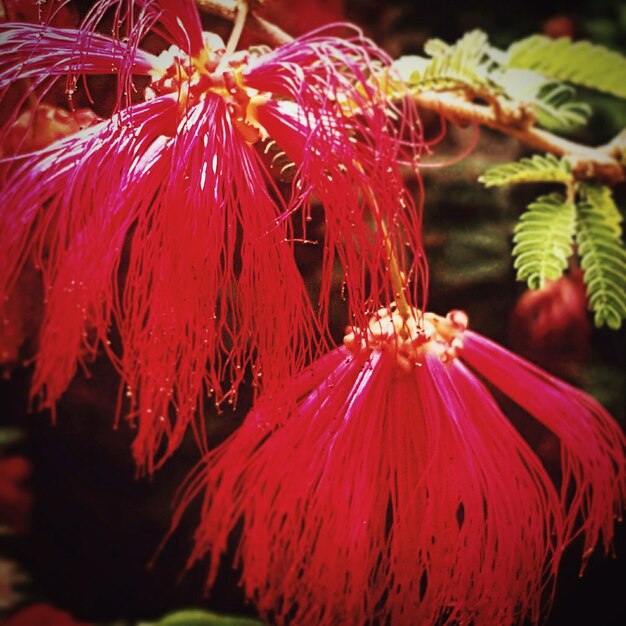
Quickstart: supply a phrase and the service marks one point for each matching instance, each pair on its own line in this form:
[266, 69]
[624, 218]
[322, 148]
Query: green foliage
[196, 617]
[543, 239]
[580, 62]
[553, 102]
[557, 110]
[536, 72]
[535, 169]
[602, 253]
[473, 66]
[462, 65]
[474, 254]
[9, 436]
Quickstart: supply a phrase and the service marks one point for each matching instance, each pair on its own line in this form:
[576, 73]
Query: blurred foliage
[196, 617]
[521, 87]
[536, 169]
[578, 62]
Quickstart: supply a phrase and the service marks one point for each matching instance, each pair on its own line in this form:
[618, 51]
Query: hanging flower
[164, 222]
[392, 489]
[551, 326]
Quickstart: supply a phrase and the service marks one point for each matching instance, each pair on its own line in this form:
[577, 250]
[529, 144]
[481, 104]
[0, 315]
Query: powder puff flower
[163, 222]
[392, 489]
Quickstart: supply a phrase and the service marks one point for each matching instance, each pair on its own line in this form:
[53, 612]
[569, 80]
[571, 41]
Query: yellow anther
[410, 338]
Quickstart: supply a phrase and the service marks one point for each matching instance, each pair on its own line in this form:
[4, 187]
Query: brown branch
[604, 162]
[227, 9]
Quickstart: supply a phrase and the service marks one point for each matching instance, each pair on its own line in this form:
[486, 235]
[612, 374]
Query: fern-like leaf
[602, 253]
[463, 65]
[543, 239]
[581, 62]
[556, 109]
[552, 101]
[535, 169]
[463, 62]
[198, 617]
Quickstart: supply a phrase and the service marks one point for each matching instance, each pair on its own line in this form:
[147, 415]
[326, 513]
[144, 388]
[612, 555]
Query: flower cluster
[375, 483]
[164, 221]
[392, 488]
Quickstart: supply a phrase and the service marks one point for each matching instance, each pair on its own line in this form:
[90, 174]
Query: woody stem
[604, 163]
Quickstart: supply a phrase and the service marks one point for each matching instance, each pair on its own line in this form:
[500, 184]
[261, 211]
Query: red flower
[392, 489]
[15, 500]
[33, 130]
[164, 221]
[551, 325]
[42, 615]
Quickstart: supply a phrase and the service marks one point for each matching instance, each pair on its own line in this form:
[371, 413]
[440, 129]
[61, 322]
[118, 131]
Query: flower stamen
[410, 338]
[212, 70]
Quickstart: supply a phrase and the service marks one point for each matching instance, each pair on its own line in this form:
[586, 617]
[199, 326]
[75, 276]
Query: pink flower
[164, 222]
[551, 325]
[42, 615]
[392, 489]
[15, 500]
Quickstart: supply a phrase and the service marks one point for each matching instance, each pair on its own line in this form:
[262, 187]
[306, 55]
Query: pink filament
[176, 21]
[212, 287]
[338, 129]
[40, 54]
[75, 231]
[377, 495]
[593, 460]
[361, 189]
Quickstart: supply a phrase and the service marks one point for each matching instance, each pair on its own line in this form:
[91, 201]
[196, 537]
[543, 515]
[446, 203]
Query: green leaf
[464, 64]
[535, 169]
[552, 101]
[557, 111]
[602, 254]
[197, 617]
[581, 62]
[9, 436]
[543, 240]
[602, 196]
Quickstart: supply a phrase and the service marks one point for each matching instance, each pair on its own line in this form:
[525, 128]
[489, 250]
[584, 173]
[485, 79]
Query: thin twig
[268, 32]
[603, 162]
[398, 280]
[239, 23]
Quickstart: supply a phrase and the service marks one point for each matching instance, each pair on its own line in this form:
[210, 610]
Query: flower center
[193, 77]
[410, 339]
